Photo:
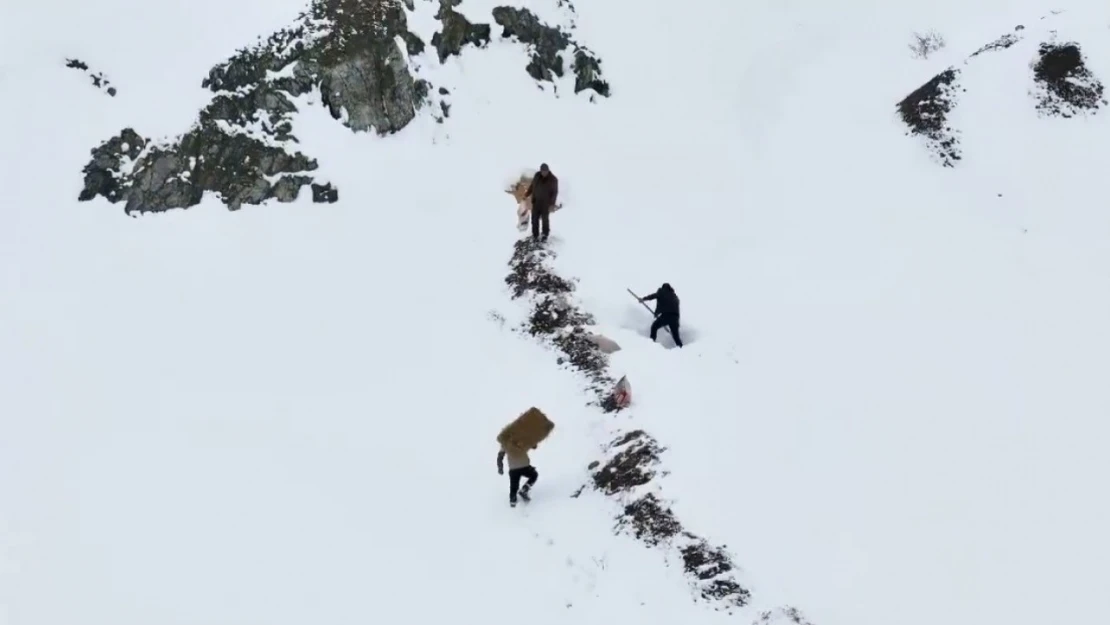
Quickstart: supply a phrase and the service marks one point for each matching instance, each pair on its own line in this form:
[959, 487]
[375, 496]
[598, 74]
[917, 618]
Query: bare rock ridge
[547, 46]
[1061, 86]
[630, 468]
[99, 80]
[457, 31]
[346, 53]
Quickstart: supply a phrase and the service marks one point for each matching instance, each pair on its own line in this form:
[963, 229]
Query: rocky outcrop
[457, 31]
[99, 80]
[547, 47]
[1065, 86]
[355, 56]
[346, 49]
[925, 112]
[242, 147]
[238, 168]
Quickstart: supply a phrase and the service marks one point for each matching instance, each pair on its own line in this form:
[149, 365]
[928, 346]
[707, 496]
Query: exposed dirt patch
[712, 566]
[530, 275]
[925, 112]
[632, 466]
[1065, 87]
[649, 520]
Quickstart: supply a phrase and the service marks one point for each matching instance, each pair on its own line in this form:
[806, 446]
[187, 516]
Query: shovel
[642, 303]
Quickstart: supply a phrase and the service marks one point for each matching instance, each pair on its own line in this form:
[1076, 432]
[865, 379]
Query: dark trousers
[514, 480]
[540, 216]
[671, 322]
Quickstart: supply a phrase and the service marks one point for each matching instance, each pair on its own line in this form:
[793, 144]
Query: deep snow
[892, 405]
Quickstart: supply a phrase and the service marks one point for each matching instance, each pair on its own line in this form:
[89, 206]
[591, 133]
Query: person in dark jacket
[666, 312]
[544, 190]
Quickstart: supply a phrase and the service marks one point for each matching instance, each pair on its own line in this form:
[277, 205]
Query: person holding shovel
[666, 312]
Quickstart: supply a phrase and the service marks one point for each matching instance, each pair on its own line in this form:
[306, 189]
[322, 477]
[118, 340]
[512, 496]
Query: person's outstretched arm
[501, 462]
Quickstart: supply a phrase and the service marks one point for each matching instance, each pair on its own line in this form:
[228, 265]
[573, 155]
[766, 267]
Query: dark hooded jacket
[667, 305]
[543, 191]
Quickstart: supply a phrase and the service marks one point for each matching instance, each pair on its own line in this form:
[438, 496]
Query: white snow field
[892, 406]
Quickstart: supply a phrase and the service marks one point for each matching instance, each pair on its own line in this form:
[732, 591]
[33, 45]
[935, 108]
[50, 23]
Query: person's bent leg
[673, 326]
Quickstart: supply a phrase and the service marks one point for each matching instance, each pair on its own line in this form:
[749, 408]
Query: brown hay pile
[527, 431]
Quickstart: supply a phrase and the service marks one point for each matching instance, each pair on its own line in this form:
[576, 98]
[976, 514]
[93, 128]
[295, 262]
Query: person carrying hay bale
[525, 433]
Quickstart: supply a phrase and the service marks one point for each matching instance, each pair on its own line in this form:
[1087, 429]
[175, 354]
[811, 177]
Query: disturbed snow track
[631, 461]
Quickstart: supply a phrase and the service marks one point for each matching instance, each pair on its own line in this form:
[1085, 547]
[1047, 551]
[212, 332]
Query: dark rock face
[99, 80]
[546, 45]
[457, 31]
[324, 193]
[1065, 86]
[347, 50]
[925, 112]
[236, 167]
[103, 173]
[243, 147]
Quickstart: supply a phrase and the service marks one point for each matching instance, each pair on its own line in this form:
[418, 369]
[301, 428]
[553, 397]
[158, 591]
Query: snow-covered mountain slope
[891, 406]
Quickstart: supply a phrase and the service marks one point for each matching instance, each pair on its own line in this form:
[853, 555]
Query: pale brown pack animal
[524, 204]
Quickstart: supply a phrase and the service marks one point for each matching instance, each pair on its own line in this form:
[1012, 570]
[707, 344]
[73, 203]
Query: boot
[524, 492]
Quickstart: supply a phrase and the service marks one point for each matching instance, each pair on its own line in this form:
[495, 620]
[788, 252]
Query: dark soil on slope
[1066, 87]
[925, 112]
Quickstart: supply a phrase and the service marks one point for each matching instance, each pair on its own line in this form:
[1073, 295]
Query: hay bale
[526, 431]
